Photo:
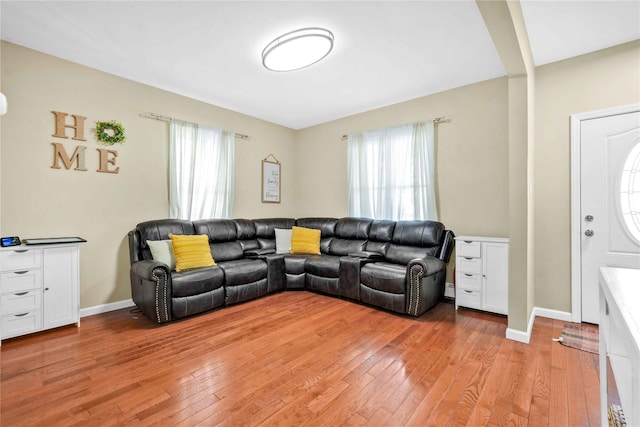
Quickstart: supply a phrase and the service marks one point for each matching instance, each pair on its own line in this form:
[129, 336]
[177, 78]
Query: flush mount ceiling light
[297, 49]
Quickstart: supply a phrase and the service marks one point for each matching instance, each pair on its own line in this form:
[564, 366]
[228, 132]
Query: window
[630, 192]
[201, 171]
[391, 173]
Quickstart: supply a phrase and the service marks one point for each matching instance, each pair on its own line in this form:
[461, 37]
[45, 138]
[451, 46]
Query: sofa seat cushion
[323, 265]
[241, 271]
[196, 281]
[384, 276]
[325, 285]
[245, 292]
[386, 300]
[194, 304]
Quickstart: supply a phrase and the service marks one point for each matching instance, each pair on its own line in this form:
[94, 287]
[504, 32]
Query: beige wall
[603, 79]
[472, 159]
[471, 163]
[38, 201]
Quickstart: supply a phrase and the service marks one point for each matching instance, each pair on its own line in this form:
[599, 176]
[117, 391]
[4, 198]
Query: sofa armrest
[253, 253]
[374, 256]
[275, 268]
[429, 265]
[448, 242]
[151, 289]
[425, 284]
[145, 268]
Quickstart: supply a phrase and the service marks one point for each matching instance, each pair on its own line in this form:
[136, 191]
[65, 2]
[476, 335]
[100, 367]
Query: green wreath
[110, 133]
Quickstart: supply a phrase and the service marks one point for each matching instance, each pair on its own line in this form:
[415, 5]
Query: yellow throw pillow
[191, 251]
[305, 241]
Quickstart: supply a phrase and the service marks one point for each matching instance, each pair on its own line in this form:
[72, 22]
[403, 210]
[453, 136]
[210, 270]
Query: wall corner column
[505, 23]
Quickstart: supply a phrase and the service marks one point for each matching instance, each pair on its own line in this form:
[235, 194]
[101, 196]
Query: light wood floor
[297, 358]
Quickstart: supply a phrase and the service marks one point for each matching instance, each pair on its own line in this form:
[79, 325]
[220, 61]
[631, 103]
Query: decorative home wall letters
[107, 157]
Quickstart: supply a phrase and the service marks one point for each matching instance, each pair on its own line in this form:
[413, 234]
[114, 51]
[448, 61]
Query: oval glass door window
[630, 192]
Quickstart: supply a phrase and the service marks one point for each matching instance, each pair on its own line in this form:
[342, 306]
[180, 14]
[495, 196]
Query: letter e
[105, 161]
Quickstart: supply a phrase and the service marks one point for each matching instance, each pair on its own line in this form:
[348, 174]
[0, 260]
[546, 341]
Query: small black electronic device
[10, 241]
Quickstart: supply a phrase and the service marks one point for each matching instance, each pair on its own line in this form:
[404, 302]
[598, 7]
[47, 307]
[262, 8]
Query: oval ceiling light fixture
[297, 49]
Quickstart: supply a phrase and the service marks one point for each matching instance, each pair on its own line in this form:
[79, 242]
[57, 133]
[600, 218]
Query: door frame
[576, 217]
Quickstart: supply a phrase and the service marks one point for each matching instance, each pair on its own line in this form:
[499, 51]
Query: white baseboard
[449, 290]
[525, 337]
[552, 314]
[520, 336]
[103, 308]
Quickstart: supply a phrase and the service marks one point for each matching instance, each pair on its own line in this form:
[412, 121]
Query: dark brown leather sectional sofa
[398, 266]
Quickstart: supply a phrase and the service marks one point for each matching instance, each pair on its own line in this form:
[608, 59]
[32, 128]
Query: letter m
[59, 153]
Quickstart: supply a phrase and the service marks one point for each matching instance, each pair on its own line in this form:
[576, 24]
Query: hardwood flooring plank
[539, 413]
[558, 408]
[591, 381]
[576, 403]
[443, 375]
[483, 410]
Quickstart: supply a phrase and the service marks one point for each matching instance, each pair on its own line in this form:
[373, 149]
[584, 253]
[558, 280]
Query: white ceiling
[384, 52]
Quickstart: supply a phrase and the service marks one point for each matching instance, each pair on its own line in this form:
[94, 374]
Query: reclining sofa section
[394, 265]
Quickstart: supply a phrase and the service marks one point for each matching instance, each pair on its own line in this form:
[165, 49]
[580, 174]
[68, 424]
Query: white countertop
[622, 285]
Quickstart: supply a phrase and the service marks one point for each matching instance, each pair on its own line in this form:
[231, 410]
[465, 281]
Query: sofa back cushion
[265, 230]
[350, 236]
[246, 234]
[159, 230]
[222, 235]
[380, 234]
[327, 227]
[414, 239]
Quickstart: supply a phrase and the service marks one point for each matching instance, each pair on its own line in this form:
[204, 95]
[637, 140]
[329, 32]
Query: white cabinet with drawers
[482, 273]
[39, 288]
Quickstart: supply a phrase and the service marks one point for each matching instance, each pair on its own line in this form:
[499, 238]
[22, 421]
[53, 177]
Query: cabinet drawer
[20, 259]
[468, 248]
[468, 281]
[468, 265]
[20, 302]
[21, 323]
[468, 298]
[18, 281]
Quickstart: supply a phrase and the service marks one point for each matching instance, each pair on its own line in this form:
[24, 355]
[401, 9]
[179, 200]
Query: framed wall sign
[270, 180]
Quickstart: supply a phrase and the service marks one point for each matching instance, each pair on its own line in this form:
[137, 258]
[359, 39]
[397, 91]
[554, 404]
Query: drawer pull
[468, 241]
[469, 292]
[468, 275]
[20, 315]
[19, 294]
[21, 272]
[20, 251]
[468, 258]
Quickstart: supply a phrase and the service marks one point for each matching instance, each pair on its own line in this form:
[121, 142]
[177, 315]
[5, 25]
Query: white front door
[609, 201]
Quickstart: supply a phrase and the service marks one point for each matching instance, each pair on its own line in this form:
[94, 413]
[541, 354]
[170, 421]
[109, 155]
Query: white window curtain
[391, 173]
[201, 171]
